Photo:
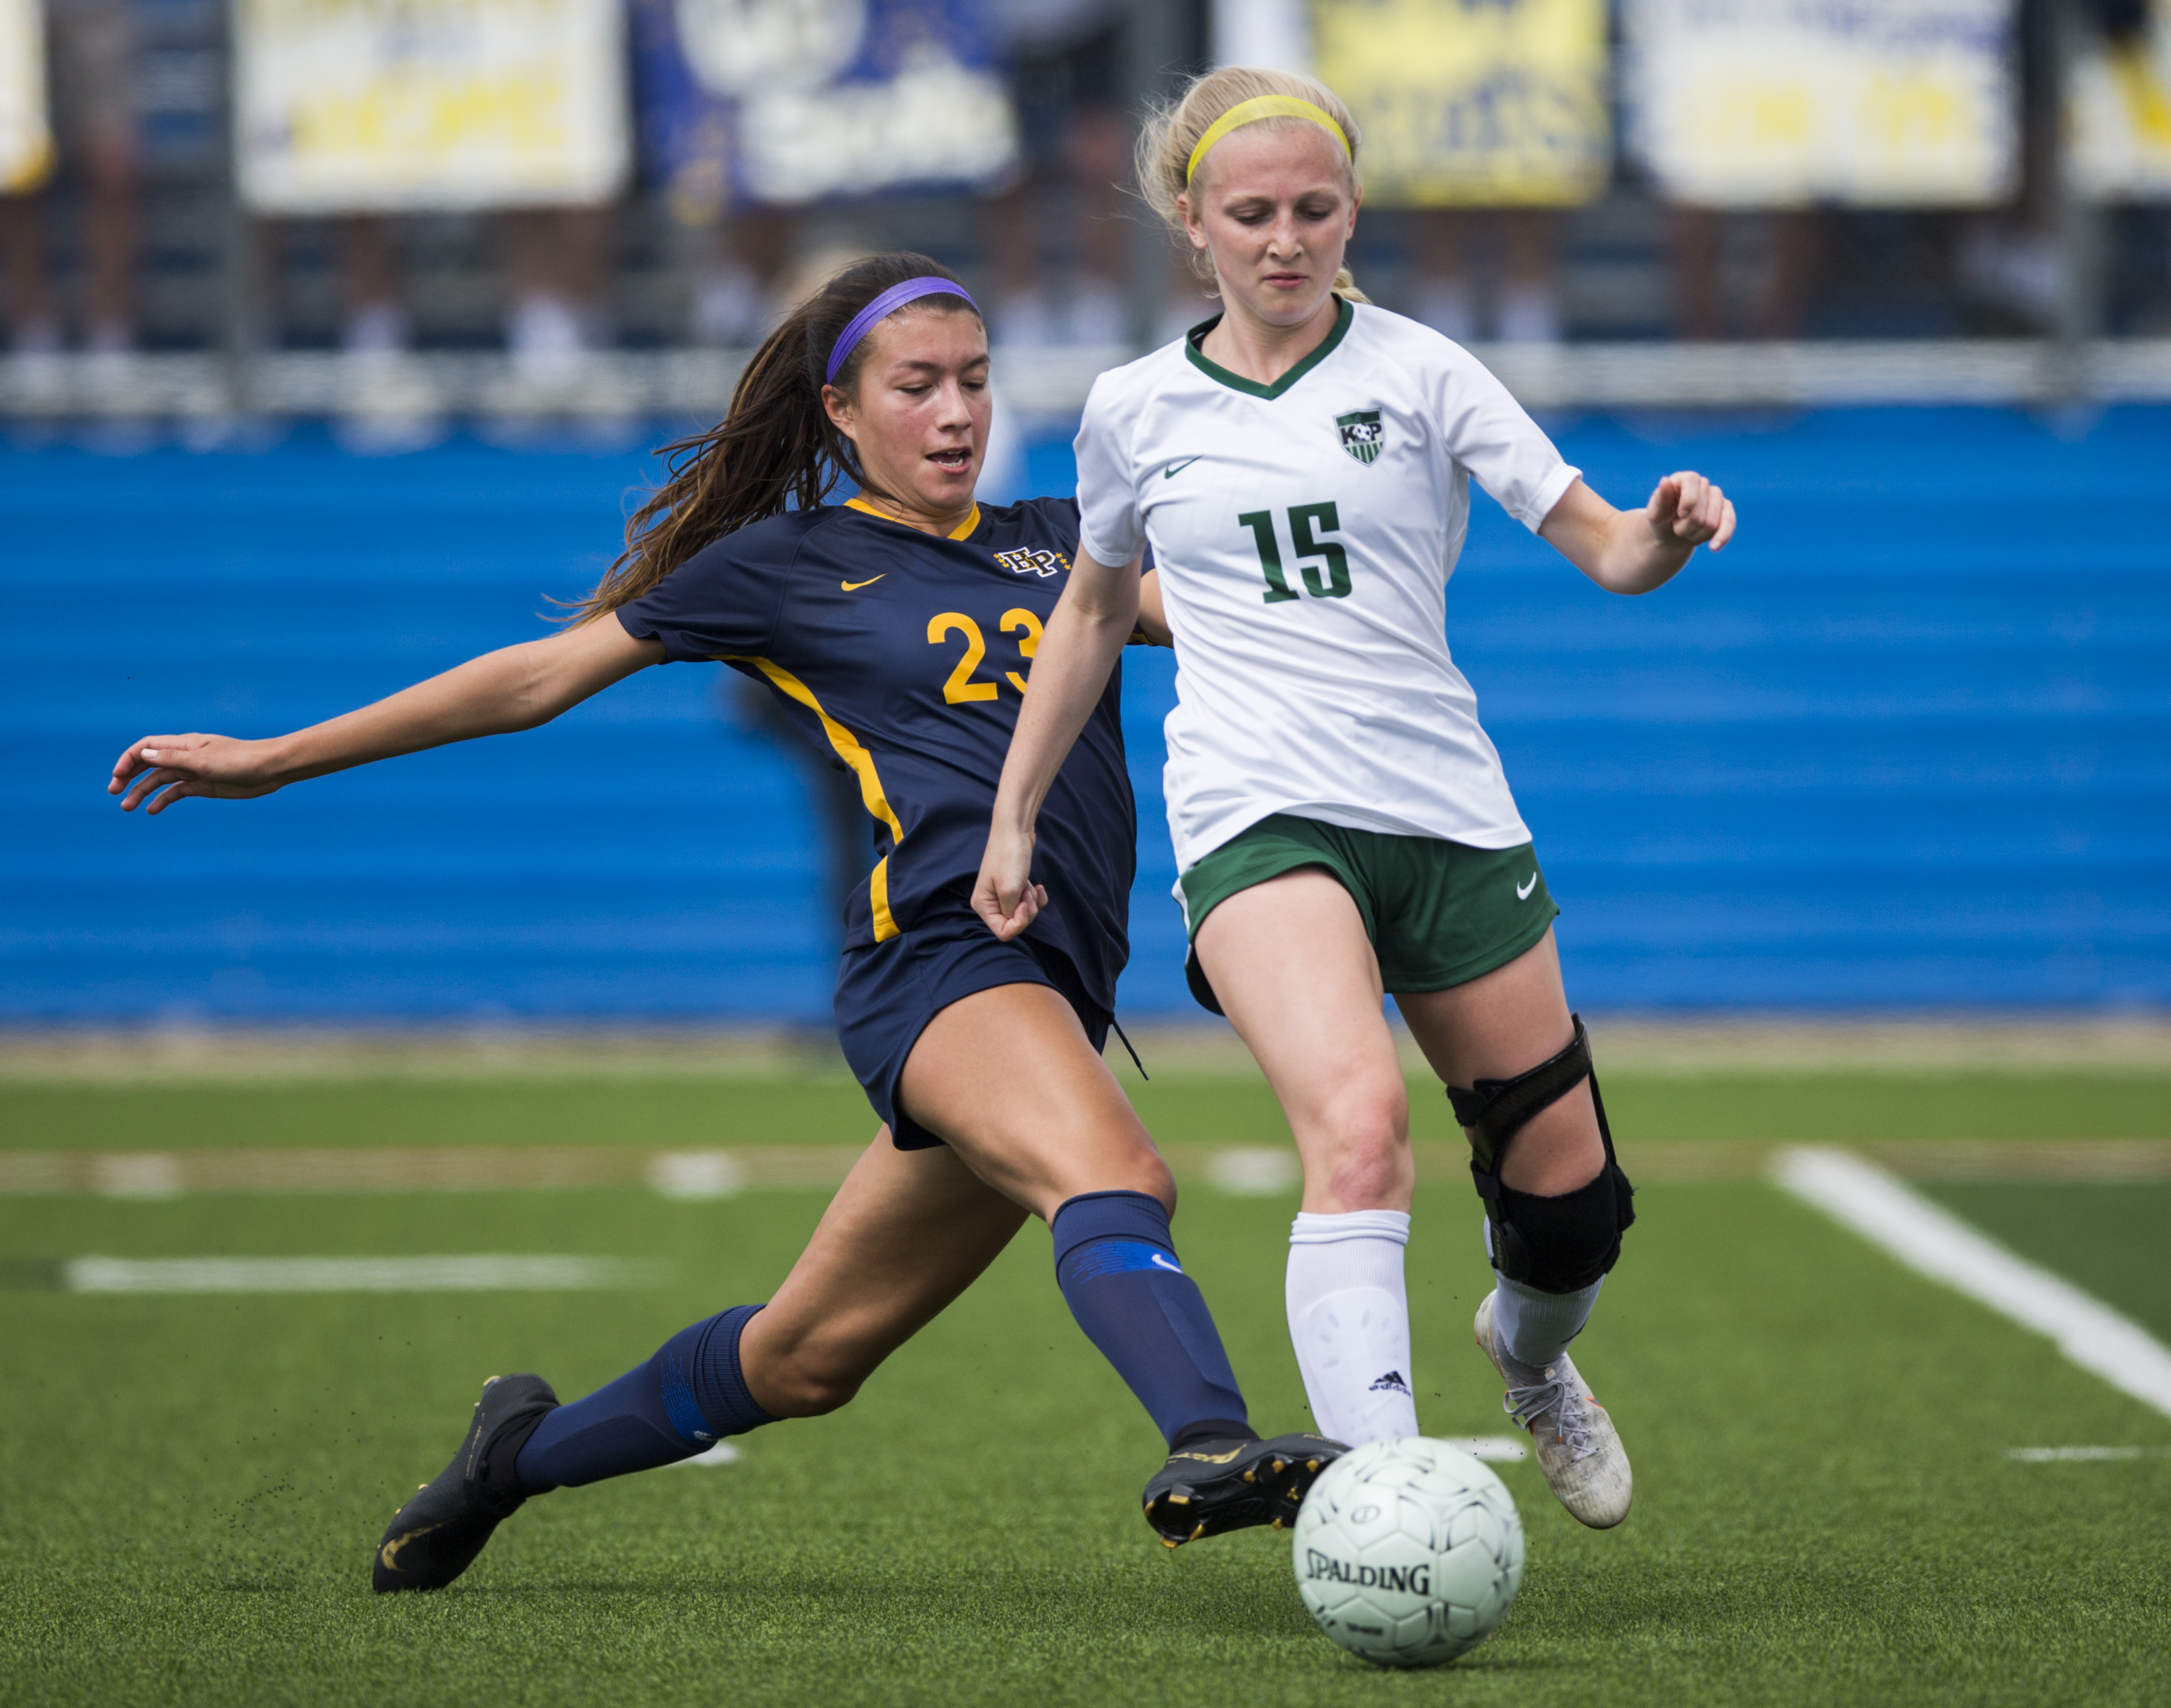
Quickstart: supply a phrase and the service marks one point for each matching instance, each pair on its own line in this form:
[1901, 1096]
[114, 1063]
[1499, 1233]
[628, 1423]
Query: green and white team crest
[1362, 435]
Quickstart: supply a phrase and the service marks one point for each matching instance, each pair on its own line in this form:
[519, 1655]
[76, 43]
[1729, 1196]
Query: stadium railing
[1052, 383]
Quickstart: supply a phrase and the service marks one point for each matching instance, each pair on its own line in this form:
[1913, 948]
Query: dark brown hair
[775, 447]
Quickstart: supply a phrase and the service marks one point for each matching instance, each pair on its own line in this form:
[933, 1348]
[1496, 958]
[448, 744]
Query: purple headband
[888, 303]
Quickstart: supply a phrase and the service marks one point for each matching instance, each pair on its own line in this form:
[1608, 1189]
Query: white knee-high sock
[1349, 1321]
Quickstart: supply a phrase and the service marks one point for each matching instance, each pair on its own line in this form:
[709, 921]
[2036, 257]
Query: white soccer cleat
[1578, 1450]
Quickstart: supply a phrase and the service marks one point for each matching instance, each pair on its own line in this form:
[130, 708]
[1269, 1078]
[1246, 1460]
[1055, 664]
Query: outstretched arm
[516, 689]
[1628, 551]
[1093, 620]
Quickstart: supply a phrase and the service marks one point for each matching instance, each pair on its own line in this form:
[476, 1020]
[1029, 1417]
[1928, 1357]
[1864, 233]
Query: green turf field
[829, 1108]
[191, 1486]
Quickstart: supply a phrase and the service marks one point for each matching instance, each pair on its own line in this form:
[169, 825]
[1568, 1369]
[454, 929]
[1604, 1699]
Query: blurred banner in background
[26, 144]
[1779, 103]
[411, 105]
[1472, 103]
[2118, 104]
[784, 102]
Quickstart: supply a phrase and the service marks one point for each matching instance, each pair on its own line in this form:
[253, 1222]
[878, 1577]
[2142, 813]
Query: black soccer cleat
[436, 1535]
[1220, 1485]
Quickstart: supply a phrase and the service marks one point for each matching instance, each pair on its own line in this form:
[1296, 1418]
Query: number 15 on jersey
[1324, 564]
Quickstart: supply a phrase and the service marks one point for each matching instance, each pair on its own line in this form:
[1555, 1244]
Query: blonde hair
[1173, 130]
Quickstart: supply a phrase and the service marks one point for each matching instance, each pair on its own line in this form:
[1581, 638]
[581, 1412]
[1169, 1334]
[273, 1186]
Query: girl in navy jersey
[897, 629]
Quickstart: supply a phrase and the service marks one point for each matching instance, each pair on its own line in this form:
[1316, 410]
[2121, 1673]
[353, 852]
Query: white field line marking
[684, 1174]
[1502, 1449]
[723, 1453]
[146, 1175]
[1260, 1169]
[696, 1174]
[1934, 1242]
[349, 1274]
[2082, 1455]
[1254, 1171]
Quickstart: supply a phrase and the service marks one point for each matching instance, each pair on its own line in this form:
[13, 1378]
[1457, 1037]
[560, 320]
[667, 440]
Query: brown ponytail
[775, 446]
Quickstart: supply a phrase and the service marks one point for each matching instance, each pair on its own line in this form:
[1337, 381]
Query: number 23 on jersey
[963, 687]
[1324, 563]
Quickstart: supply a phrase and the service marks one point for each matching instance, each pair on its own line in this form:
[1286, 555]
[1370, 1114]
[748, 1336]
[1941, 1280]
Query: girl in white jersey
[1300, 466]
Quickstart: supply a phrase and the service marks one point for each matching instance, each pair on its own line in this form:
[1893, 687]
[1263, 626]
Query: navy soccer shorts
[886, 992]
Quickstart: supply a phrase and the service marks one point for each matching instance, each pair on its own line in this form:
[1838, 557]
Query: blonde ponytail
[1345, 287]
[1173, 130]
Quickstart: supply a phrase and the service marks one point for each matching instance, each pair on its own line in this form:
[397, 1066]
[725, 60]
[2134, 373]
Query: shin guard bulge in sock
[686, 1398]
[1349, 1321]
[1116, 1265]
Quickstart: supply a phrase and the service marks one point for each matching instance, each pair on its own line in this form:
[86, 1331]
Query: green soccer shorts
[1439, 914]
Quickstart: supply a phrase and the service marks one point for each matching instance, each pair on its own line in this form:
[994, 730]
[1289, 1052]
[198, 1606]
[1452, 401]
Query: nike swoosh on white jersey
[1523, 891]
[1176, 469]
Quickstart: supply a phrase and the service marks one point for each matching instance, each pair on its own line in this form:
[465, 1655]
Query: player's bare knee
[1369, 1179]
[805, 1388]
[1367, 1160]
[818, 1397]
[1366, 1167]
[1148, 1174]
[811, 1370]
[1558, 1151]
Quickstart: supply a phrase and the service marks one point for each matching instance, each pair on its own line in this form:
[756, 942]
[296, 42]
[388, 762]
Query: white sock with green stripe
[1349, 1322]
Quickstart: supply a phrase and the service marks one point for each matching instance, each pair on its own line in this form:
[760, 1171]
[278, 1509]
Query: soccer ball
[1408, 1552]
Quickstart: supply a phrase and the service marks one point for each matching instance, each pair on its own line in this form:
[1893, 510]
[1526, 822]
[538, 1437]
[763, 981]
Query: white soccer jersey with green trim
[1304, 532]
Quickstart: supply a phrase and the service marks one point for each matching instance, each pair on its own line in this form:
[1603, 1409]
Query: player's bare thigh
[1501, 1024]
[907, 1233]
[1009, 1078]
[1294, 970]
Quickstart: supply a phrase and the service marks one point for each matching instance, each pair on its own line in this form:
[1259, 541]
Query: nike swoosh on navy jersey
[855, 587]
[1176, 469]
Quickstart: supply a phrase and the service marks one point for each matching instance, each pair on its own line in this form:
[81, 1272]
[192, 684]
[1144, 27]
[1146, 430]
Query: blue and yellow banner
[349, 106]
[1471, 103]
[1862, 103]
[2118, 106]
[780, 103]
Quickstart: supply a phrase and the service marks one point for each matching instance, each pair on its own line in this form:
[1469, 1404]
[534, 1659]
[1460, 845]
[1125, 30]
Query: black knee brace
[1558, 1245]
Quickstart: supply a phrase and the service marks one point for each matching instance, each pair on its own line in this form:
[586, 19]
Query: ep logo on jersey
[1043, 563]
[1362, 435]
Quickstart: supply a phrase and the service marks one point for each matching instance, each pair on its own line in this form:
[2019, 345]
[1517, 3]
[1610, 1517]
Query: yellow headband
[1263, 107]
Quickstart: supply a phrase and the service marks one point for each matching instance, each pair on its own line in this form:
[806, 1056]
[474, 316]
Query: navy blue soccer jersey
[906, 657]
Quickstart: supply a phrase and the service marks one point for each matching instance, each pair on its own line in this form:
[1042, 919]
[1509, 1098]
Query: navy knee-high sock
[684, 1399]
[1117, 1267]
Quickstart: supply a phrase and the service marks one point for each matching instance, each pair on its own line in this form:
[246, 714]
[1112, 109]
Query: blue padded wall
[1907, 744]
[1910, 745]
